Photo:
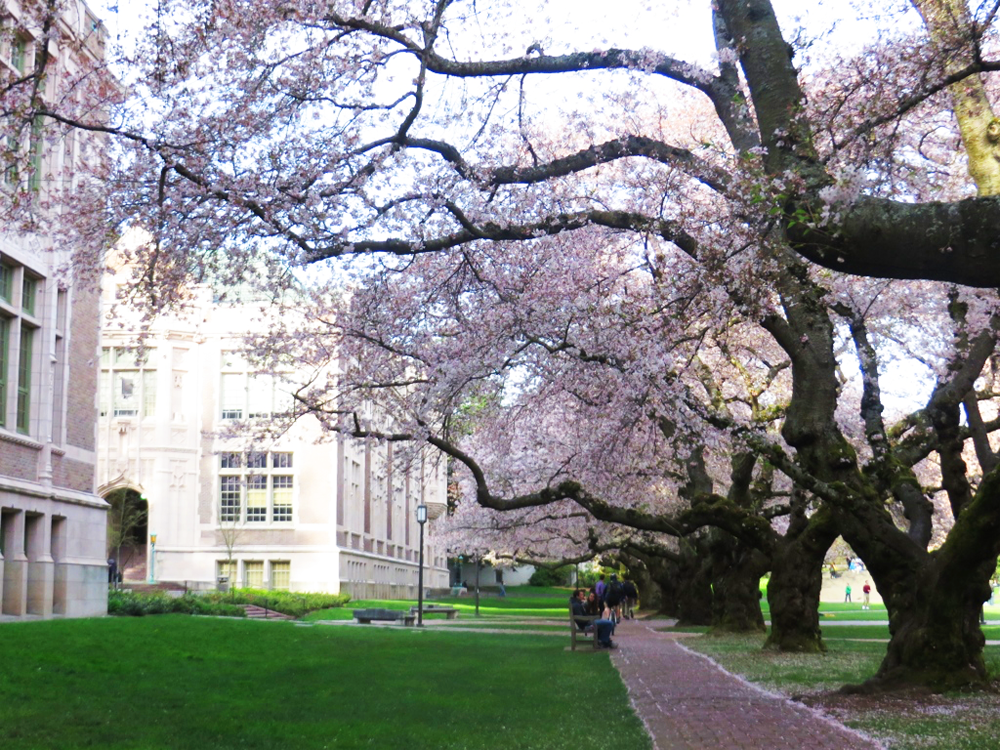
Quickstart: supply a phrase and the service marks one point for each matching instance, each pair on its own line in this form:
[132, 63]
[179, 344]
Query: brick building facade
[52, 525]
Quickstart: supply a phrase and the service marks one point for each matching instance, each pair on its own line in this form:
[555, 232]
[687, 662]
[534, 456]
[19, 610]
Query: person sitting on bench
[603, 627]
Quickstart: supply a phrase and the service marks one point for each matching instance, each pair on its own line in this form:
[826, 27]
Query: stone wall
[81, 389]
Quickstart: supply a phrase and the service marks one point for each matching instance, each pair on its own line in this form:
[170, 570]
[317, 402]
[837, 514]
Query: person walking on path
[613, 597]
[600, 588]
[847, 593]
[631, 598]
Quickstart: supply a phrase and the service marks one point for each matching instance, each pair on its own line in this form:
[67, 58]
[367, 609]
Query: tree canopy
[322, 130]
[605, 277]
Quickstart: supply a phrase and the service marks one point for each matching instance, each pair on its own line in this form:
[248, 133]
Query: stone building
[297, 514]
[52, 525]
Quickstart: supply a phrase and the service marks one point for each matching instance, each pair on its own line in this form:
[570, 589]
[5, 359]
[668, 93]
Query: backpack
[614, 593]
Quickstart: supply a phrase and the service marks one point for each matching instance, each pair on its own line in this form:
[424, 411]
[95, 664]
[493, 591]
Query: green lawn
[521, 602]
[841, 632]
[175, 681]
[911, 722]
[512, 626]
[829, 611]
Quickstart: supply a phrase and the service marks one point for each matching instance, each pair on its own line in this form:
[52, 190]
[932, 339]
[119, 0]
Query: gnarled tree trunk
[796, 579]
[694, 584]
[735, 584]
[652, 597]
[935, 638]
[934, 598]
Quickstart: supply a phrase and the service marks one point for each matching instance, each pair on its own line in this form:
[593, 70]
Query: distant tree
[126, 516]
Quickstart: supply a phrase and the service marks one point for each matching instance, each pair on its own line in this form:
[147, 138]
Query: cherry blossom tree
[425, 143]
[446, 328]
[324, 130]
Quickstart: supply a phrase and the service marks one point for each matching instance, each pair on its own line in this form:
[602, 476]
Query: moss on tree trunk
[935, 637]
[736, 585]
[796, 580]
[694, 585]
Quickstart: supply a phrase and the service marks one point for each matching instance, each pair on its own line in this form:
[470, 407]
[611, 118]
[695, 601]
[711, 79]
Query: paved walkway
[689, 703]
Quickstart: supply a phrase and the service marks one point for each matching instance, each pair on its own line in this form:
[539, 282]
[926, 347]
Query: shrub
[547, 577]
[127, 603]
[291, 603]
[136, 604]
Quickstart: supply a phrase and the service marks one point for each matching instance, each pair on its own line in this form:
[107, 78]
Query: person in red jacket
[866, 590]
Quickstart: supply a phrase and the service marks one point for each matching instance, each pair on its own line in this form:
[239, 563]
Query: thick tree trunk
[694, 588]
[934, 598]
[736, 585]
[796, 579]
[935, 638]
[652, 597]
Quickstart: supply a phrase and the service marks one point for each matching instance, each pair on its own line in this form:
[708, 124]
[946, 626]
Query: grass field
[525, 601]
[175, 681]
[908, 722]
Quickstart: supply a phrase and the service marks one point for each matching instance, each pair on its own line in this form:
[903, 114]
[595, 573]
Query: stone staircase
[259, 613]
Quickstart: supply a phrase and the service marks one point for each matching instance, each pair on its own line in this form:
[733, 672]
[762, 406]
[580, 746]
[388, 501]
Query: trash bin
[222, 583]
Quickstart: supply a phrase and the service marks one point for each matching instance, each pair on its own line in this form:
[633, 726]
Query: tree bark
[652, 597]
[694, 585]
[935, 637]
[796, 579]
[934, 598]
[736, 585]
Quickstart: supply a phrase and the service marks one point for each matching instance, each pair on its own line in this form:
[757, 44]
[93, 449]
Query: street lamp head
[421, 514]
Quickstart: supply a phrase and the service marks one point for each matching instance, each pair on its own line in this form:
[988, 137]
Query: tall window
[248, 395]
[253, 574]
[29, 289]
[229, 499]
[18, 53]
[20, 301]
[281, 498]
[24, 380]
[256, 499]
[37, 151]
[226, 569]
[261, 482]
[128, 383]
[4, 364]
[281, 574]
[6, 283]
[10, 172]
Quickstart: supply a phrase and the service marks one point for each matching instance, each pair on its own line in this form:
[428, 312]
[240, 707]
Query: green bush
[291, 603]
[127, 603]
[587, 578]
[136, 604]
[547, 577]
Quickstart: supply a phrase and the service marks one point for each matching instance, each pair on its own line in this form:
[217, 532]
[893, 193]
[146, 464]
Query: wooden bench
[583, 635]
[367, 616]
[450, 612]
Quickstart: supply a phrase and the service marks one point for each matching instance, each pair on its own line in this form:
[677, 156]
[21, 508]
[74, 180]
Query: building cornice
[60, 494]
[22, 440]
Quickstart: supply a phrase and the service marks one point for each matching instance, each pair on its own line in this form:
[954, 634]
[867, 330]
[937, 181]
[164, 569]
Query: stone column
[60, 576]
[15, 571]
[41, 569]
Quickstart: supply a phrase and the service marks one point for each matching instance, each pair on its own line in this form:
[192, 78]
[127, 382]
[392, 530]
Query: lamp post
[152, 558]
[421, 519]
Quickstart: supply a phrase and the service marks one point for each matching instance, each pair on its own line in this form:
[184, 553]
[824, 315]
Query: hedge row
[134, 603]
[137, 604]
[291, 603]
